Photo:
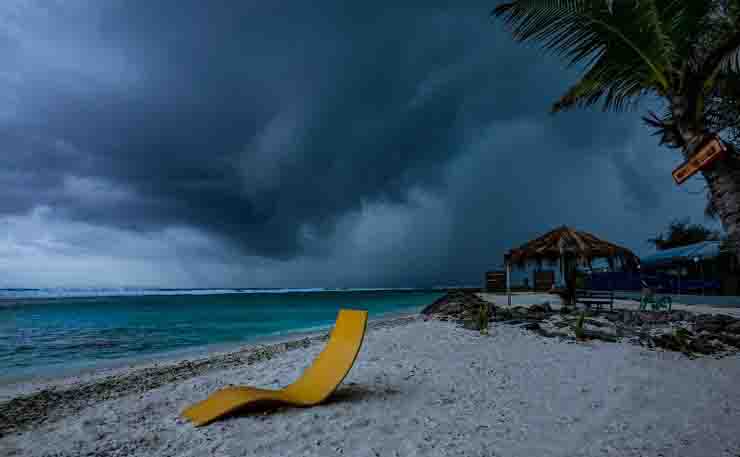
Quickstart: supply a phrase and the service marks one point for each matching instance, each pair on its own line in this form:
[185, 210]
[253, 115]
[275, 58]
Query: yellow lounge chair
[313, 387]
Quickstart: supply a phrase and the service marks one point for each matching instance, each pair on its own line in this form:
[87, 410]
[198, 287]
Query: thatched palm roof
[567, 241]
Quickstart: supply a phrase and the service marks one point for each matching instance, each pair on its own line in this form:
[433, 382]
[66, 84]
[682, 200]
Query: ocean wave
[120, 292]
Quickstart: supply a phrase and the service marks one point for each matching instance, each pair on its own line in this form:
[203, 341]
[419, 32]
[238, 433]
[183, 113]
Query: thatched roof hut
[567, 243]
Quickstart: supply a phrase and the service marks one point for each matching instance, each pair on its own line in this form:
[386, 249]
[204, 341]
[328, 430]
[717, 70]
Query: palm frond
[722, 110]
[724, 57]
[687, 51]
[687, 23]
[731, 61]
[628, 51]
[619, 87]
[664, 126]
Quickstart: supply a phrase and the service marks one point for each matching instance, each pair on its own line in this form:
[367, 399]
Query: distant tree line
[681, 232]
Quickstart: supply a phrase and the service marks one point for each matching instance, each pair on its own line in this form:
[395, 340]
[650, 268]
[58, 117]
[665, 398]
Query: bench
[595, 298]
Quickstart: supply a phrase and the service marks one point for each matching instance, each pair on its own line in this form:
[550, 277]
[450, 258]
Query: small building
[700, 268]
[495, 281]
[545, 261]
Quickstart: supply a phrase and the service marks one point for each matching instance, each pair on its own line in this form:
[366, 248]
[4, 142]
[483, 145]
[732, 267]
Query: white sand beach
[433, 388]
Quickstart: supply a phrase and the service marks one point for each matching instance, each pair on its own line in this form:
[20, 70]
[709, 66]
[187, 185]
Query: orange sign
[707, 154]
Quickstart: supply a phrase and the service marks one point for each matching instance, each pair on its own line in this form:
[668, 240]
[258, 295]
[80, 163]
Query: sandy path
[430, 388]
[555, 301]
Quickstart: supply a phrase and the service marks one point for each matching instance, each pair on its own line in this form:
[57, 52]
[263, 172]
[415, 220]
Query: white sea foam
[118, 292]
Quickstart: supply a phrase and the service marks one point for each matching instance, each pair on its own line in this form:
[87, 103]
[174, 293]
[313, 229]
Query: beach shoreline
[96, 369]
[427, 387]
[32, 402]
[420, 386]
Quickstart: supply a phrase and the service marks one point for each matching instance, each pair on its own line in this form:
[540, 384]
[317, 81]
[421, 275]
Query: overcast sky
[299, 144]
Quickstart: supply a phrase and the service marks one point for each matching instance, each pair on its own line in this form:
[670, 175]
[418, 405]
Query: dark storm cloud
[639, 190]
[372, 101]
[267, 125]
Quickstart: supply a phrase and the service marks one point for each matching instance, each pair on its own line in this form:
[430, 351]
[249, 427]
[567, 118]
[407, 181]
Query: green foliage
[482, 319]
[723, 111]
[626, 47]
[682, 233]
[579, 326]
[681, 332]
[681, 337]
[580, 281]
[632, 48]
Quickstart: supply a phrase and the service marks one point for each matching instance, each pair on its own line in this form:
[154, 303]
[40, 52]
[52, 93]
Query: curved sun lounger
[314, 386]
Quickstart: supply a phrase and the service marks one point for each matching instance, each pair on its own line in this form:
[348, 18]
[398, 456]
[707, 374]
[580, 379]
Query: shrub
[579, 326]
[482, 319]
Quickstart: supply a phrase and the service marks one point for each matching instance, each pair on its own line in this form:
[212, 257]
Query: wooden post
[562, 269]
[508, 282]
[679, 279]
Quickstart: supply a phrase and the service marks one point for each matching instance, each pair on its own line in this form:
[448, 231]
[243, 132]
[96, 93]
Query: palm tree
[685, 53]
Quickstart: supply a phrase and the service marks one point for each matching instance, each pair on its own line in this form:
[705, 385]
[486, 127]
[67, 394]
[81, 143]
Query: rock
[552, 334]
[727, 319]
[516, 321]
[596, 323]
[546, 306]
[599, 335]
[629, 317]
[671, 342]
[713, 322]
[538, 316]
[443, 306]
[711, 326]
[733, 328]
[702, 346]
[590, 312]
[459, 303]
[677, 315]
[531, 326]
[536, 309]
[469, 324]
[519, 311]
[503, 314]
[729, 339]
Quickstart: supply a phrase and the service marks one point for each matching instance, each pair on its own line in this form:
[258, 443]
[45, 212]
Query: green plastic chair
[656, 304]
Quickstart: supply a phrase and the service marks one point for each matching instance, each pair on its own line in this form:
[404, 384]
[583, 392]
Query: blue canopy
[703, 250]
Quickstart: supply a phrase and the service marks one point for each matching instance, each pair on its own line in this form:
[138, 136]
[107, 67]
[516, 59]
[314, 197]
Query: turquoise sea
[54, 332]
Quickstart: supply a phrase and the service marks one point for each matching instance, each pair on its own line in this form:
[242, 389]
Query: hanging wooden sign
[711, 151]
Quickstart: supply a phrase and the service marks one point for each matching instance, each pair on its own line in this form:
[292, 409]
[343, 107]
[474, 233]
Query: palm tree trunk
[723, 176]
[569, 270]
[724, 188]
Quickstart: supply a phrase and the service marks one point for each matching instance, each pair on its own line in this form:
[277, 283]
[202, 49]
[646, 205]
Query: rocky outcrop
[458, 304]
[677, 330]
[713, 322]
[733, 328]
